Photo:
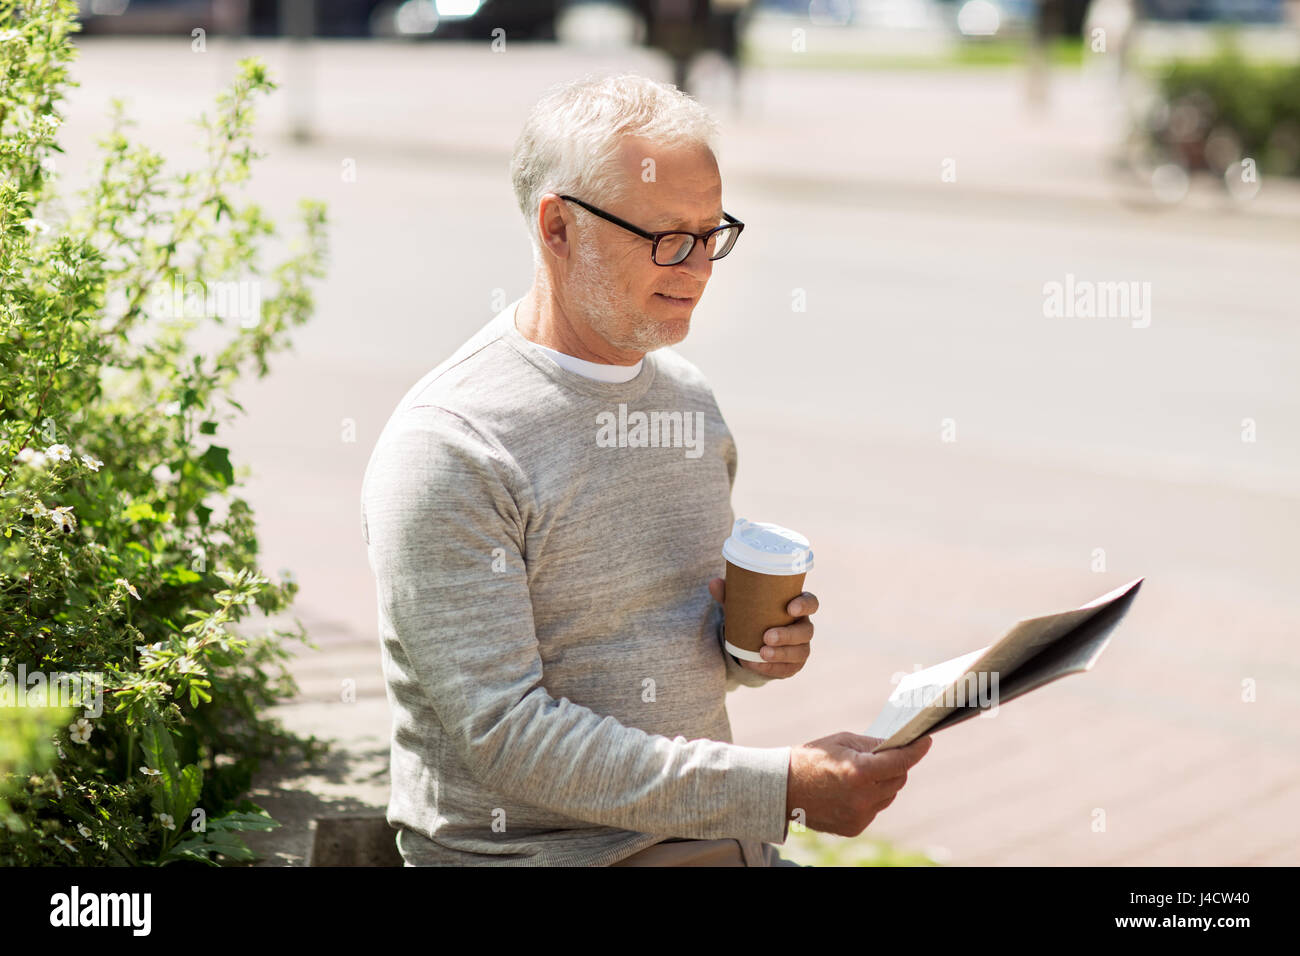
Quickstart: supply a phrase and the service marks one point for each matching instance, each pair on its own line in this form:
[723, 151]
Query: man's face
[611, 283]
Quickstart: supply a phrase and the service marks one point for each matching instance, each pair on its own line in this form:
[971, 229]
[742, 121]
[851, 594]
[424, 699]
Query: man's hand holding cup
[787, 647]
[766, 624]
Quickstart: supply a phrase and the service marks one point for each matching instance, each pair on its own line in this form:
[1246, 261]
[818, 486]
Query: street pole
[298, 23]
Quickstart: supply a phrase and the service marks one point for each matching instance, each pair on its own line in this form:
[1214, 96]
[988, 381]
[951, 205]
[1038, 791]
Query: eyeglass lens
[676, 247]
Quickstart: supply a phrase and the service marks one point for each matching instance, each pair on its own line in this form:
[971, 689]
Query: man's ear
[553, 225]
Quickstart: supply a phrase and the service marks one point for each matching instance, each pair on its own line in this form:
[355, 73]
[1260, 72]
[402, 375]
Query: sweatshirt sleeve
[446, 540]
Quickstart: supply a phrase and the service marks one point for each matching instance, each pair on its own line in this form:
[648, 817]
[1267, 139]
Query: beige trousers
[681, 852]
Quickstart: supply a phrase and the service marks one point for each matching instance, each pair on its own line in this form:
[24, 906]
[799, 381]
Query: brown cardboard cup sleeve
[766, 567]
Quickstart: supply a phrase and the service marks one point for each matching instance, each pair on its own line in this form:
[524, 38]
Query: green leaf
[235, 849]
[227, 844]
[217, 462]
[187, 792]
[201, 844]
[159, 751]
[160, 754]
[179, 852]
[181, 576]
[236, 820]
[140, 511]
[208, 428]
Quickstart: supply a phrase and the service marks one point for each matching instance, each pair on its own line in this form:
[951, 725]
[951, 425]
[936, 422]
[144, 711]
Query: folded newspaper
[1034, 652]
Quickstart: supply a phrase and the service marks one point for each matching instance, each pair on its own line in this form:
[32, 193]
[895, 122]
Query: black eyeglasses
[674, 246]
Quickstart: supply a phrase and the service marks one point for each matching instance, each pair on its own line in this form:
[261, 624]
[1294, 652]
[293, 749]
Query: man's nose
[698, 263]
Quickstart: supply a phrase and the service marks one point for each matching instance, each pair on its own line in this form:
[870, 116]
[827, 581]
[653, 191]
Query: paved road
[924, 303]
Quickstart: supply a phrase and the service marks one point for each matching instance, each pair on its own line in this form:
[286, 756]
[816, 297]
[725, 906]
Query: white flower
[29, 456]
[80, 731]
[50, 120]
[35, 225]
[187, 666]
[66, 843]
[83, 830]
[130, 589]
[150, 773]
[38, 510]
[193, 644]
[172, 408]
[92, 462]
[59, 452]
[166, 820]
[58, 789]
[163, 475]
[63, 519]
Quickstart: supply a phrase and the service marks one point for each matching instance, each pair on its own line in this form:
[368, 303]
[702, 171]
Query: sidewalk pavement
[341, 700]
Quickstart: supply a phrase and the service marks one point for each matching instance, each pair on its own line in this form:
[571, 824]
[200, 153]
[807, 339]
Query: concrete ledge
[314, 802]
[363, 839]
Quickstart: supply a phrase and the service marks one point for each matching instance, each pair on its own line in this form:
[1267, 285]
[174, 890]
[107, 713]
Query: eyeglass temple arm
[610, 217]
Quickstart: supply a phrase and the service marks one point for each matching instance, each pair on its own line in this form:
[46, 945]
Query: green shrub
[811, 848]
[125, 553]
[1256, 103]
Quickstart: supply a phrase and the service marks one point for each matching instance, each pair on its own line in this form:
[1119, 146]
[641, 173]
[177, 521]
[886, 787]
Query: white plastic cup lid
[767, 548]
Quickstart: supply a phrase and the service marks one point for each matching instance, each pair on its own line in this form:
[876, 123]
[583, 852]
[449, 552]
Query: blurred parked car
[1018, 17]
[452, 19]
[1214, 11]
[466, 19]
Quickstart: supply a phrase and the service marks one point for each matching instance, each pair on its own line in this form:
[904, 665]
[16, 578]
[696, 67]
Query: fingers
[805, 603]
[896, 762]
[789, 643]
[856, 742]
[718, 588]
[777, 670]
[918, 748]
[914, 751]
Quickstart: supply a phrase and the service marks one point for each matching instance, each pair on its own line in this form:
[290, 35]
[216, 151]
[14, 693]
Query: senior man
[549, 581]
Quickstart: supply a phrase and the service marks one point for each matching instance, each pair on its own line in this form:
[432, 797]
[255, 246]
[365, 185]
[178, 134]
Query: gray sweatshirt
[542, 544]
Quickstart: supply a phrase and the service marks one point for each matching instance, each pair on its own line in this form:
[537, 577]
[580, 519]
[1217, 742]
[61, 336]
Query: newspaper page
[1034, 652]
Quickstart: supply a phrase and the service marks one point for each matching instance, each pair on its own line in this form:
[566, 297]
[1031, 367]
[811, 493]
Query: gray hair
[571, 140]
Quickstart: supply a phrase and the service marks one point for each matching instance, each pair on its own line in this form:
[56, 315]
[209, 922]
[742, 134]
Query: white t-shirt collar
[596, 370]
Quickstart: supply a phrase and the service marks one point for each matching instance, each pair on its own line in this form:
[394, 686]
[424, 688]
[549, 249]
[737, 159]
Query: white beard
[607, 312]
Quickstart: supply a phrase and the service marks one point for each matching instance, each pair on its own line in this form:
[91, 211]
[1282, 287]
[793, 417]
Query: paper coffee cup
[766, 564]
